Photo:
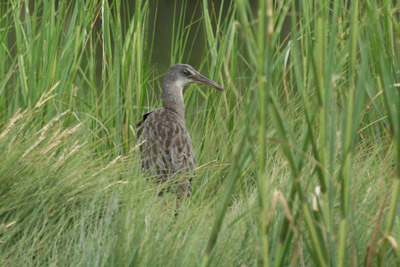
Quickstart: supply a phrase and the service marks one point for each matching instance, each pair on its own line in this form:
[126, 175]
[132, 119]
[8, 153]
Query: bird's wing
[139, 124]
[181, 151]
[167, 147]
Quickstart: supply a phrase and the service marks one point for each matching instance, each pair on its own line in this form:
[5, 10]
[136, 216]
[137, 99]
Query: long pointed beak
[198, 78]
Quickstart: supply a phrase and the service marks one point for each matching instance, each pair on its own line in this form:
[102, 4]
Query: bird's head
[180, 75]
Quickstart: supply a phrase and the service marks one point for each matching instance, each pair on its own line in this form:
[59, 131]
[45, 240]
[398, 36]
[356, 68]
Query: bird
[167, 152]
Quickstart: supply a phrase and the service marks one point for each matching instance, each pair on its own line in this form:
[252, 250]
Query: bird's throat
[172, 99]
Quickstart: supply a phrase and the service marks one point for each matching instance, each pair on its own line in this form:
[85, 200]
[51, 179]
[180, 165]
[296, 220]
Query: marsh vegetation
[298, 160]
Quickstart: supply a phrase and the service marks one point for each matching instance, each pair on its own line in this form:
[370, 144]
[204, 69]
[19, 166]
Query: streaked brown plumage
[167, 150]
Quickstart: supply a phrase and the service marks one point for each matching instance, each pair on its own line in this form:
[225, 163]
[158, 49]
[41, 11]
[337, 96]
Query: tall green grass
[298, 160]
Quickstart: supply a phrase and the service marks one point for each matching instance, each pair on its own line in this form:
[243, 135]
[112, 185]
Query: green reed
[298, 157]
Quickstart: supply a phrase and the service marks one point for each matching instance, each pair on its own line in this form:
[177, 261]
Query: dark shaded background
[162, 15]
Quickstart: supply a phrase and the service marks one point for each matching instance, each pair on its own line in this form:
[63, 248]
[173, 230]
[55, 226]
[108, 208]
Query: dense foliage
[299, 159]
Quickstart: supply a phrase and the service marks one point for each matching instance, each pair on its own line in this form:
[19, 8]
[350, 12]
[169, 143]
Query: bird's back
[167, 150]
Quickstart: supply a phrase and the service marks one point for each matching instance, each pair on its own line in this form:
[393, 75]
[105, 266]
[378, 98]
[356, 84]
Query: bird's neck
[172, 99]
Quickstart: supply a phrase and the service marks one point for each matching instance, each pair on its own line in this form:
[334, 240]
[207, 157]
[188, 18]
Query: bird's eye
[185, 72]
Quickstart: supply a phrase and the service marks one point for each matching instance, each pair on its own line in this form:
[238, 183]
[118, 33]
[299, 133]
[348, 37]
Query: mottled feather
[167, 151]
